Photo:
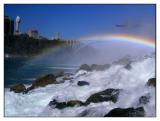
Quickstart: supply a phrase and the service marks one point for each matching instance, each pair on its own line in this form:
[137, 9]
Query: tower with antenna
[18, 20]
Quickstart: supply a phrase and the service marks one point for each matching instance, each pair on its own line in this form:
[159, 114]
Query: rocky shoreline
[107, 95]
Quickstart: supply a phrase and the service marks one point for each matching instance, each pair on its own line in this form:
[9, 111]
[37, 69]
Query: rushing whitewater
[132, 81]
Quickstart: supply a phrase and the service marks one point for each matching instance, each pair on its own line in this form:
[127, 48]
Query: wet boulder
[82, 83]
[28, 89]
[62, 105]
[152, 82]
[18, 88]
[126, 112]
[106, 95]
[99, 67]
[58, 73]
[42, 81]
[128, 66]
[85, 67]
[67, 78]
[45, 80]
[106, 66]
[144, 99]
[73, 103]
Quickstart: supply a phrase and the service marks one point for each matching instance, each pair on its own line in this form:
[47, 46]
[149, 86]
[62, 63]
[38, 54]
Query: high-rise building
[8, 25]
[18, 20]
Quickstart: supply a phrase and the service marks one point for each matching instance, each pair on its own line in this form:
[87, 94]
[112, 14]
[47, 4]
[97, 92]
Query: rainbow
[121, 37]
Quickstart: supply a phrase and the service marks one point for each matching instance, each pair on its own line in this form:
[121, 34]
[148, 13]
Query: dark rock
[28, 89]
[82, 83]
[94, 67]
[127, 112]
[152, 82]
[84, 113]
[45, 80]
[85, 67]
[91, 112]
[106, 66]
[72, 103]
[99, 67]
[61, 105]
[128, 67]
[106, 95]
[67, 78]
[18, 88]
[58, 73]
[144, 99]
[83, 74]
[53, 102]
[42, 81]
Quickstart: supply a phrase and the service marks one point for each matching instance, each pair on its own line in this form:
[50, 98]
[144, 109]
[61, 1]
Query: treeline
[26, 46]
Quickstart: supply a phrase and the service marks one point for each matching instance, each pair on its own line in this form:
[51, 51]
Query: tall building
[34, 34]
[8, 25]
[18, 20]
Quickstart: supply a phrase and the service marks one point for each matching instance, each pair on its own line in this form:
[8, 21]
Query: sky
[76, 21]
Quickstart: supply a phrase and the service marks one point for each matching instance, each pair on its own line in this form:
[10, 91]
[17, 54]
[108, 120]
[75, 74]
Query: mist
[92, 53]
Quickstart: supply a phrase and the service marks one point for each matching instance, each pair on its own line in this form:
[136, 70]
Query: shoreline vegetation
[25, 46]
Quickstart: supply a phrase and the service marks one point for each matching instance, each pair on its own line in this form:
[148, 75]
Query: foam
[133, 82]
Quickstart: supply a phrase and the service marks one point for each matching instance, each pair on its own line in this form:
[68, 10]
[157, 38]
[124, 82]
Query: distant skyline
[75, 21]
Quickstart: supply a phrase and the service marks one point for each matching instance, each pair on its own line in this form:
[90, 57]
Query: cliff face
[26, 46]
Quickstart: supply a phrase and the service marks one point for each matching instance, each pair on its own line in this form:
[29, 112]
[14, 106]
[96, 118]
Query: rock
[58, 73]
[128, 67]
[91, 112]
[144, 99]
[82, 83]
[106, 66]
[152, 82]
[106, 95]
[45, 80]
[42, 81]
[85, 67]
[28, 89]
[52, 103]
[67, 78]
[94, 67]
[84, 113]
[81, 74]
[99, 67]
[72, 103]
[18, 88]
[127, 112]
[61, 105]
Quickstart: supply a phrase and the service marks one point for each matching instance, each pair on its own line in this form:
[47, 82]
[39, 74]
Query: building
[18, 20]
[8, 25]
[56, 36]
[34, 34]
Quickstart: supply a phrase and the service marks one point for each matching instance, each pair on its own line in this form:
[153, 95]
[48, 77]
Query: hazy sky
[74, 21]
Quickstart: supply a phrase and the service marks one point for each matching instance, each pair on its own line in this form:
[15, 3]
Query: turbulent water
[132, 81]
